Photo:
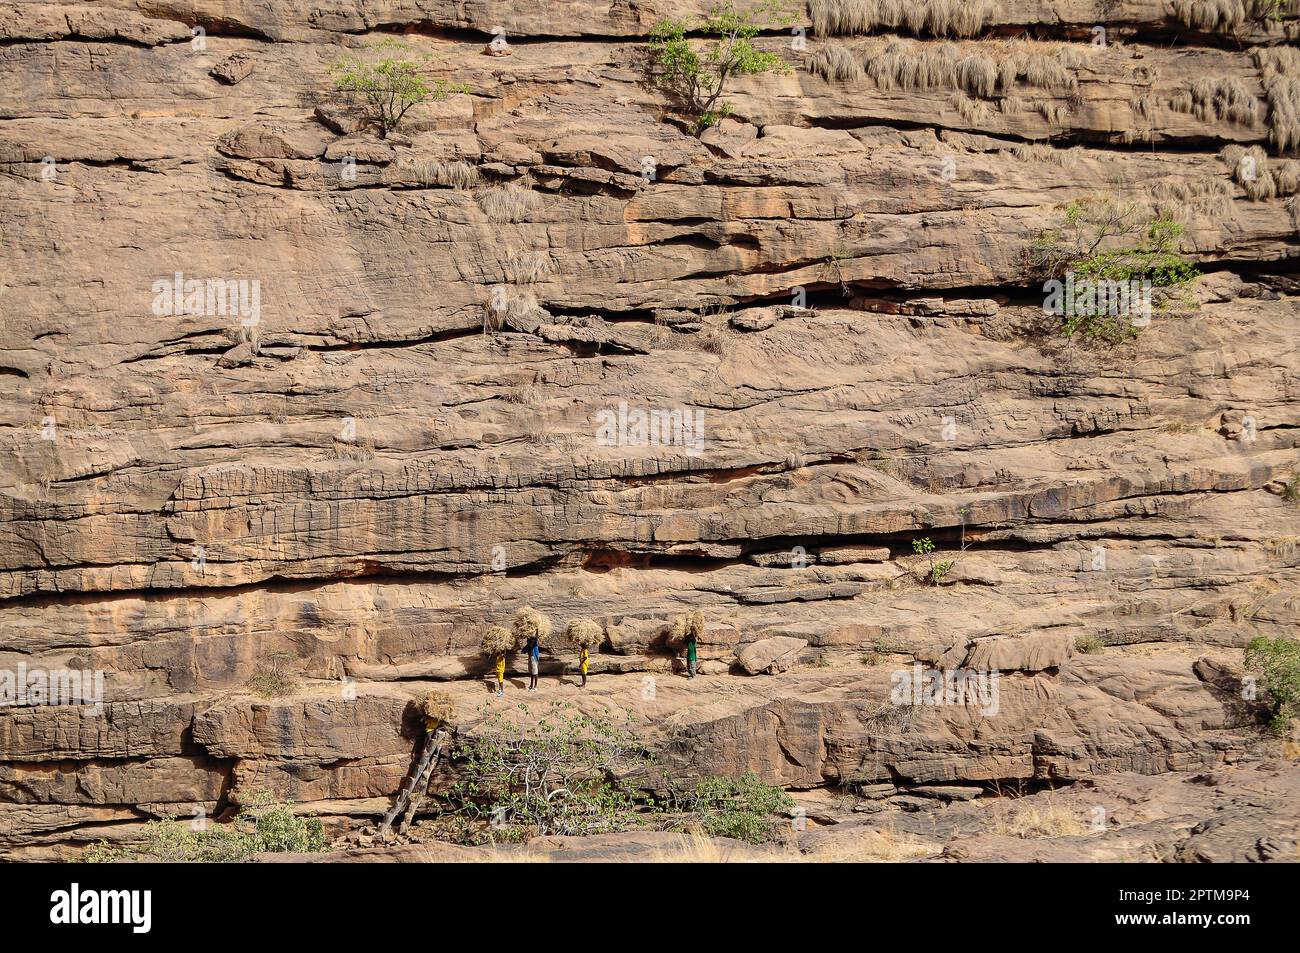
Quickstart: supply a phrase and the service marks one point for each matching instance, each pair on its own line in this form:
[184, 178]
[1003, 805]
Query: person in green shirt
[691, 657]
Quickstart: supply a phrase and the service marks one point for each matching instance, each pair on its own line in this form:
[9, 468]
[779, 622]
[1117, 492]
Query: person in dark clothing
[691, 657]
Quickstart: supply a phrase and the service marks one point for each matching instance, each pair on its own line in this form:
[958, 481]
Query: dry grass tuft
[1213, 98]
[273, 678]
[921, 17]
[512, 202]
[528, 267]
[1042, 152]
[835, 64]
[440, 173]
[1047, 820]
[1181, 199]
[1279, 70]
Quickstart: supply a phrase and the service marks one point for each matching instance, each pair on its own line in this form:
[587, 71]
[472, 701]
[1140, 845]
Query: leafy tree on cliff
[695, 73]
[389, 85]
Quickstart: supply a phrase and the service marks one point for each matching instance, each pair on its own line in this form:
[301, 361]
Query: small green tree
[1106, 239]
[1277, 662]
[389, 85]
[695, 74]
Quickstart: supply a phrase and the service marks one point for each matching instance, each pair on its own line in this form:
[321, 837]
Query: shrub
[263, 825]
[1277, 662]
[1291, 489]
[743, 808]
[1089, 644]
[695, 79]
[562, 773]
[1107, 239]
[389, 85]
[273, 678]
[1279, 70]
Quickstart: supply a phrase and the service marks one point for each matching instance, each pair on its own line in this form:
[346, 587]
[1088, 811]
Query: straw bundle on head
[691, 624]
[437, 705]
[497, 640]
[584, 634]
[531, 624]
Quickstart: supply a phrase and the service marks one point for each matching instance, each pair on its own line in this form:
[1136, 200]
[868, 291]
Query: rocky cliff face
[429, 405]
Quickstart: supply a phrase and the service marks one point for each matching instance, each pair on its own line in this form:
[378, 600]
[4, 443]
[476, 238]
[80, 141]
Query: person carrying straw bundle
[497, 641]
[584, 634]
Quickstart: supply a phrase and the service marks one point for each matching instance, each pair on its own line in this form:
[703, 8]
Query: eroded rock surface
[432, 422]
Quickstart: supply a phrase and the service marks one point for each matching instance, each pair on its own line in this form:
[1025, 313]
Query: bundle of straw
[531, 624]
[584, 634]
[497, 640]
[690, 624]
[437, 705]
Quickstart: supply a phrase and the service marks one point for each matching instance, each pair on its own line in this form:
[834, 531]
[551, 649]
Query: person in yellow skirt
[501, 674]
[583, 659]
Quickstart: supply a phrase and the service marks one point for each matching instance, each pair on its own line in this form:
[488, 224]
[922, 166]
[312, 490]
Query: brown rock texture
[541, 346]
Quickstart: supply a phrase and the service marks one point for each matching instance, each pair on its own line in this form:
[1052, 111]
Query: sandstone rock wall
[371, 474]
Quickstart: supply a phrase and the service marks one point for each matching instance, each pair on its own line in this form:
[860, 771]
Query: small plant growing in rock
[263, 825]
[389, 85]
[1277, 663]
[1291, 489]
[1109, 247]
[938, 568]
[273, 678]
[695, 75]
[1089, 644]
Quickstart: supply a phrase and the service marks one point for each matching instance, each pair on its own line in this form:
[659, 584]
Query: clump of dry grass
[513, 202]
[932, 17]
[1279, 70]
[1043, 152]
[996, 68]
[1250, 170]
[497, 640]
[1229, 16]
[1046, 820]
[442, 173]
[528, 267]
[972, 111]
[877, 845]
[509, 306]
[1181, 198]
[272, 678]
[835, 64]
[1212, 98]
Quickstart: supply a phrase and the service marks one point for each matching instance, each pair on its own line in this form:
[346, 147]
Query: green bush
[743, 808]
[1105, 238]
[1089, 644]
[695, 75]
[1277, 663]
[263, 825]
[390, 84]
